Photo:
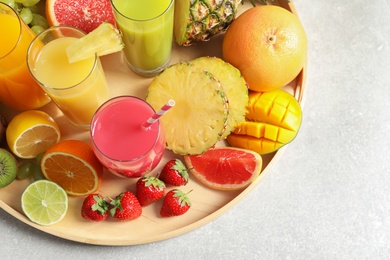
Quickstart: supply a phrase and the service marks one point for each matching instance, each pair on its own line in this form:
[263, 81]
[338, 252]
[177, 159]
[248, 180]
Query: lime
[44, 202]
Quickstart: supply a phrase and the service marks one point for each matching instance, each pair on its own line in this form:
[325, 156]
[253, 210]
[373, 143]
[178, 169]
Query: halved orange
[73, 165]
[225, 168]
[31, 132]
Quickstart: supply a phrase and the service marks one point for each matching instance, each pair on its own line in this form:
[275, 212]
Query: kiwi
[8, 168]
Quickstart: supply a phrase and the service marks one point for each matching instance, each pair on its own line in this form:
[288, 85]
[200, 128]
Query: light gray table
[328, 197]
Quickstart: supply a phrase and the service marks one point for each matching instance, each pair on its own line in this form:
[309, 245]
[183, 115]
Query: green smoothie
[147, 28]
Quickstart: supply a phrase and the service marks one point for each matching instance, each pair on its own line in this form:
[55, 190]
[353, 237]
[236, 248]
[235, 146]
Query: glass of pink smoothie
[119, 141]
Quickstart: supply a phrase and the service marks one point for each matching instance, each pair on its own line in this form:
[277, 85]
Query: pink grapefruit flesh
[225, 168]
[85, 15]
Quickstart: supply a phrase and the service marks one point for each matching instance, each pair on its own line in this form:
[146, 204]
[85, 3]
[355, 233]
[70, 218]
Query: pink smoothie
[119, 140]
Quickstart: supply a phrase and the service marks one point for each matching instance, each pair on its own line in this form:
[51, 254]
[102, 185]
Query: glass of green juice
[147, 32]
[78, 88]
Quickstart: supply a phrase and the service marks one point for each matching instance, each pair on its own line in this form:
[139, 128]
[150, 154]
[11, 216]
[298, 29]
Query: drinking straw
[158, 114]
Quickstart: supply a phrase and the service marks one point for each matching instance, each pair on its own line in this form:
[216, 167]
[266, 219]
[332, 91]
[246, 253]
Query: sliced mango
[272, 121]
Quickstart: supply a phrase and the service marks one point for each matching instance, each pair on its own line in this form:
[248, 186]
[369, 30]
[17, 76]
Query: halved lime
[44, 202]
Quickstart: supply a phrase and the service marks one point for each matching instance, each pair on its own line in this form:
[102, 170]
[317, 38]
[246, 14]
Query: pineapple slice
[198, 20]
[104, 40]
[199, 117]
[233, 85]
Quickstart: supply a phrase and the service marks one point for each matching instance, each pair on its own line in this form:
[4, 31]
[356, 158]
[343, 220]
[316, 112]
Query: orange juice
[78, 88]
[18, 89]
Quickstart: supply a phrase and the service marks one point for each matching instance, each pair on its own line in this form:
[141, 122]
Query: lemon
[44, 202]
[31, 132]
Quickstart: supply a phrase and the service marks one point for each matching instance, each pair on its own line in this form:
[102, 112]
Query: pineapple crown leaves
[182, 197]
[181, 168]
[101, 205]
[154, 181]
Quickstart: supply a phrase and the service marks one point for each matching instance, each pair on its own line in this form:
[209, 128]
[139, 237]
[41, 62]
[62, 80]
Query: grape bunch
[29, 12]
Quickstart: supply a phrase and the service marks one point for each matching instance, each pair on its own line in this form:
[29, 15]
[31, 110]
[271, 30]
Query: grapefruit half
[85, 15]
[225, 168]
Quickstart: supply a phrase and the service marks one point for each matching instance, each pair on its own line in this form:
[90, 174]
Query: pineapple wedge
[198, 20]
[233, 85]
[104, 40]
[199, 117]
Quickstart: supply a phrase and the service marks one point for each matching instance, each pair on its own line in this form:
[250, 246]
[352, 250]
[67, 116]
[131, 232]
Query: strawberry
[94, 207]
[174, 173]
[175, 203]
[126, 206]
[149, 189]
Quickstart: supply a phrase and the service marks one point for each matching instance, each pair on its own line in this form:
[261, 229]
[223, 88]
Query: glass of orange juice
[78, 88]
[18, 90]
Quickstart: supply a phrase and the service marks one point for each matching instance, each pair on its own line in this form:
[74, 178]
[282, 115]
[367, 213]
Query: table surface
[328, 196]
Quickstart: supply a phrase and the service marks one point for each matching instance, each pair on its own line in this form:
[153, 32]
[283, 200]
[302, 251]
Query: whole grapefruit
[268, 45]
[85, 15]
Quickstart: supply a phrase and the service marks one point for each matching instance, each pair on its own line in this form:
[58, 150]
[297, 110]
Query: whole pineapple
[198, 20]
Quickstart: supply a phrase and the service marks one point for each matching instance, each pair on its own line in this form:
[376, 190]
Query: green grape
[11, 3]
[39, 20]
[37, 172]
[20, 1]
[29, 3]
[26, 15]
[25, 170]
[34, 9]
[37, 29]
[38, 158]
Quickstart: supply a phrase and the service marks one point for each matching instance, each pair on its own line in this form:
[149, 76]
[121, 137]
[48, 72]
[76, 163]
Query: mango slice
[272, 121]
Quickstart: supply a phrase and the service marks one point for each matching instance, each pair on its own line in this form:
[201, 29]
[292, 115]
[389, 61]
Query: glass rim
[10, 9]
[142, 20]
[114, 100]
[43, 34]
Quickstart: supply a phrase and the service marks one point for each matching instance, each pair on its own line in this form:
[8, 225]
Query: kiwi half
[8, 168]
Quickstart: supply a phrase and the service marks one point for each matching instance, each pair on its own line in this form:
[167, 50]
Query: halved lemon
[32, 132]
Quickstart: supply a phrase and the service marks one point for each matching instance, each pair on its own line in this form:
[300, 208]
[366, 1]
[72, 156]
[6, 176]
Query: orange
[85, 15]
[73, 165]
[268, 45]
[225, 168]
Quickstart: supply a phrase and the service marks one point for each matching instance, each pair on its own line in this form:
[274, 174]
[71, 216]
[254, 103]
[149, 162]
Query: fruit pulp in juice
[148, 41]
[77, 88]
[119, 140]
[18, 89]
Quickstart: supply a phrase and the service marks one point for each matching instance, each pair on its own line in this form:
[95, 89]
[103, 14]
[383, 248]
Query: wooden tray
[207, 204]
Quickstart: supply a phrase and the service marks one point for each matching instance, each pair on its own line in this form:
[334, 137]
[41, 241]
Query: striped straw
[158, 114]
